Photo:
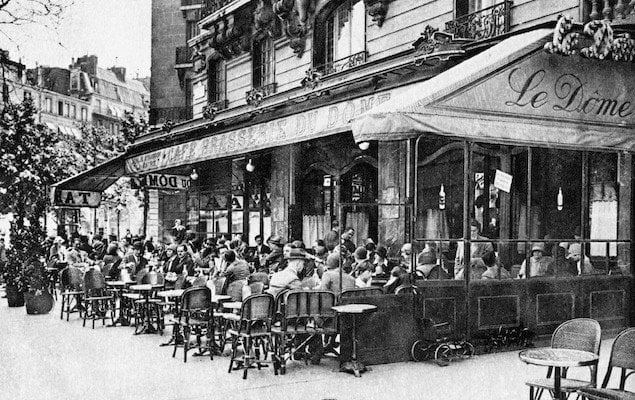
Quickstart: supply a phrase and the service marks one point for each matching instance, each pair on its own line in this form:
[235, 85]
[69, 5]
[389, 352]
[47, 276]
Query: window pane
[358, 28]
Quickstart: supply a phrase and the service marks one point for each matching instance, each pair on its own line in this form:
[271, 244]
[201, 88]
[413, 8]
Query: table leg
[353, 365]
[558, 394]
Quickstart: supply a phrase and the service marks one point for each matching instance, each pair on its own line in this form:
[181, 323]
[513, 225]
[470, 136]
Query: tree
[132, 127]
[32, 157]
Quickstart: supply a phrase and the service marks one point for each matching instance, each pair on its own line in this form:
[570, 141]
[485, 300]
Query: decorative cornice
[231, 34]
[211, 109]
[377, 9]
[296, 17]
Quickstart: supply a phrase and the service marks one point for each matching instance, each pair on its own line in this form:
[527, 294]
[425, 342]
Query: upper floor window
[74, 111]
[263, 62]
[192, 29]
[215, 81]
[339, 34]
[48, 104]
[84, 114]
[60, 108]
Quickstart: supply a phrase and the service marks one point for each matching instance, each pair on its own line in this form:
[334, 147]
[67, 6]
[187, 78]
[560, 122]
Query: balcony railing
[484, 24]
[612, 10]
[189, 3]
[183, 57]
[342, 64]
[211, 6]
[174, 114]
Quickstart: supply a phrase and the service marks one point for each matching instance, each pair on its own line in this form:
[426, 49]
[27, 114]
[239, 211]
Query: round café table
[354, 310]
[558, 359]
[146, 290]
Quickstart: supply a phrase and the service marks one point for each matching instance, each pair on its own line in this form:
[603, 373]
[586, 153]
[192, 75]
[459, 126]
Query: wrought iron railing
[612, 10]
[484, 24]
[174, 114]
[342, 64]
[183, 55]
[211, 6]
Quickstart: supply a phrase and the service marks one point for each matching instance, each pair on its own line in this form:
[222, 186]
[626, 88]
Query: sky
[117, 31]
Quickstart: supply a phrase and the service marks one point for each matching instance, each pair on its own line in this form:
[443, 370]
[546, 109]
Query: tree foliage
[132, 127]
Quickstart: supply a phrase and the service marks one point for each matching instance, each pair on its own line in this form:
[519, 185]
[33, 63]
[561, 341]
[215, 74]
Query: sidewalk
[43, 357]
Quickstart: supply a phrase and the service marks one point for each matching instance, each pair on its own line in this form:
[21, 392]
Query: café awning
[517, 93]
[96, 179]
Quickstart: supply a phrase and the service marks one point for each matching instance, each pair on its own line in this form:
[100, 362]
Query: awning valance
[96, 179]
[515, 92]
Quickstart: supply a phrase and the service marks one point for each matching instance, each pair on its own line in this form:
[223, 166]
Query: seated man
[490, 261]
[237, 269]
[477, 250]
[331, 277]
[288, 278]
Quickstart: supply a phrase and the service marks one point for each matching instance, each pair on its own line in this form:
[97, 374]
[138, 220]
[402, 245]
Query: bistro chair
[253, 288]
[153, 305]
[71, 282]
[196, 318]
[260, 277]
[235, 290]
[98, 301]
[623, 357]
[361, 292]
[253, 333]
[407, 289]
[577, 334]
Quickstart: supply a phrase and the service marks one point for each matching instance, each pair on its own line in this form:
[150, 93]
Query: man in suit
[135, 261]
[260, 252]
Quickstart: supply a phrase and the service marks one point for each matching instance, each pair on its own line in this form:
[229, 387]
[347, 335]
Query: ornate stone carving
[231, 34]
[377, 9]
[603, 42]
[265, 20]
[167, 126]
[211, 109]
[437, 45]
[564, 39]
[296, 16]
[312, 79]
[255, 96]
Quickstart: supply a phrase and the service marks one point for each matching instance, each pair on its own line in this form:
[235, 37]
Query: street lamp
[119, 208]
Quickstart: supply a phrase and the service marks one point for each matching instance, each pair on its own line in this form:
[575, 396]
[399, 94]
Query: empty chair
[622, 357]
[235, 290]
[98, 301]
[71, 282]
[196, 318]
[253, 332]
[577, 334]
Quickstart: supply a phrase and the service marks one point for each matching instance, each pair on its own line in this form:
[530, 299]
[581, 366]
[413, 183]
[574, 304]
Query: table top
[236, 305]
[145, 287]
[171, 293]
[355, 308]
[220, 297]
[558, 357]
[115, 283]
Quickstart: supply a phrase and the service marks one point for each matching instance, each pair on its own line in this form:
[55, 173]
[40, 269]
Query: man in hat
[272, 259]
[237, 268]
[135, 261]
[582, 263]
[288, 278]
[331, 277]
[539, 264]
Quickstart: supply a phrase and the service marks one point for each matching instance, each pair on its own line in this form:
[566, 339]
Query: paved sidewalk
[43, 357]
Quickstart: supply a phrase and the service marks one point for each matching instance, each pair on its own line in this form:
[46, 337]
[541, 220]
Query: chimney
[120, 72]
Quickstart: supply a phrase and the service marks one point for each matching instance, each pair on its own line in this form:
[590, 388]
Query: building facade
[408, 121]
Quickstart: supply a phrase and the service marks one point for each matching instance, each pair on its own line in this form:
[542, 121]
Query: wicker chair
[71, 282]
[98, 301]
[577, 334]
[196, 317]
[153, 306]
[361, 292]
[622, 356]
[253, 332]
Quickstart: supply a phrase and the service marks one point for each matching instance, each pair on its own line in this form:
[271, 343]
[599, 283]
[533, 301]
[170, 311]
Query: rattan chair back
[578, 334]
[361, 292]
[622, 356]
[196, 298]
[256, 314]
[72, 278]
[235, 290]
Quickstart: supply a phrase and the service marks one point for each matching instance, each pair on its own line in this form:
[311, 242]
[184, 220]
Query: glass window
[192, 30]
[74, 111]
[263, 63]
[60, 108]
[340, 37]
[67, 110]
[84, 114]
[48, 104]
[216, 81]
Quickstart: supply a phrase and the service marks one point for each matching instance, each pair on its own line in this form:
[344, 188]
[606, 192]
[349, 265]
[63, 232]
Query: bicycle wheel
[467, 349]
[419, 351]
[443, 354]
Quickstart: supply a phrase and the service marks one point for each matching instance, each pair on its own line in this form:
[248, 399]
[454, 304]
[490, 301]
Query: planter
[15, 298]
[38, 303]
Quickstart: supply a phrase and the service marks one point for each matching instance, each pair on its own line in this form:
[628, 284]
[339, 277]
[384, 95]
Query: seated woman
[539, 264]
[489, 259]
[477, 250]
[427, 259]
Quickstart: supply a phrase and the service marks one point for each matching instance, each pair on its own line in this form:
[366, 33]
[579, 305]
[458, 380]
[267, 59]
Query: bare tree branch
[48, 13]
